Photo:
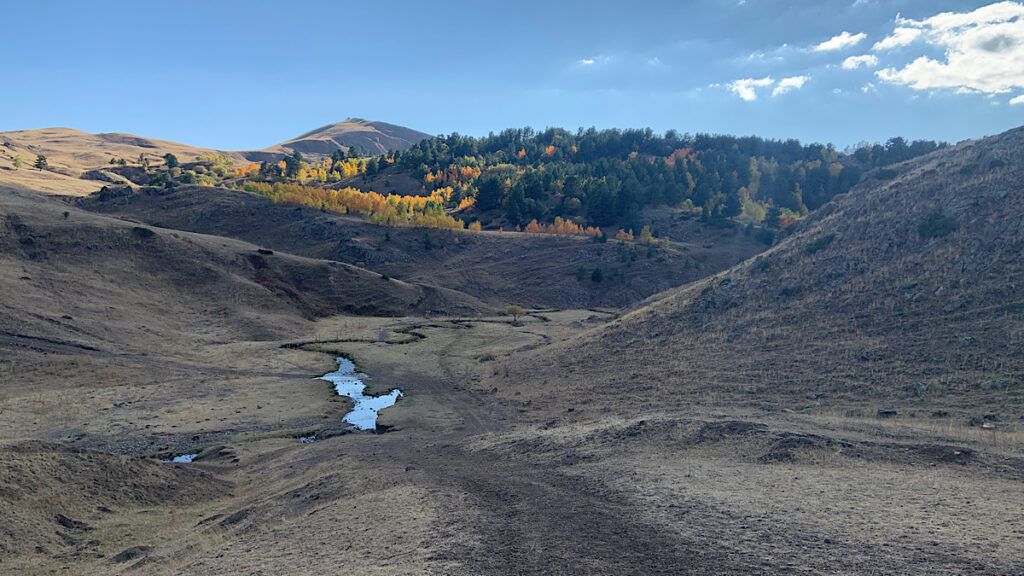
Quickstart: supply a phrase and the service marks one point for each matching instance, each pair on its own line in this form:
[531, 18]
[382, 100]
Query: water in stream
[347, 382]
[183, 459]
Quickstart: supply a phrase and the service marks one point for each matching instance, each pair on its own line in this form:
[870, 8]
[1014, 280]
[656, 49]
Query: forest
[607, 177]
[560, 182]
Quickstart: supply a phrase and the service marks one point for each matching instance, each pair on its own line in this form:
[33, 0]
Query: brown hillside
[867, 305]
[72, 153]
[369, 137]
[51, 495]
[104, 302]
[80, 161]
[534, 270]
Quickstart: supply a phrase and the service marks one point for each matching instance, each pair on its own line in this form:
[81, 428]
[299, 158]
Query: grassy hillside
[536, 270]
[370, 138]
[730, 425]
[903, 294]
[80, 162]
[111, 305]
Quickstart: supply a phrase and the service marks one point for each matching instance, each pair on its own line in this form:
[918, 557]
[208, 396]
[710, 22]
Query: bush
[936, 225]
[159, 179]
[762, 264]
[820, 243]
[143, 232]
[887, 174]
[597, 275]
[765, 236]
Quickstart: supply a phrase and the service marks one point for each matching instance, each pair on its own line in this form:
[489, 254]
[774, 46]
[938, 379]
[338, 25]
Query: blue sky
[235, 75]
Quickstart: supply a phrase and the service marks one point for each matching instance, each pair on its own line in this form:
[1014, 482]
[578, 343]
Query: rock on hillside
[907, 292]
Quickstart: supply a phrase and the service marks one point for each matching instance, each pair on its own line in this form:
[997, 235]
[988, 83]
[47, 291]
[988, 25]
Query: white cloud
[655, 62]
[593, 61]
[854, 62]
[790, 84]
[869, 87]
[746, 88]
[984, 50]
[1017, 99]
[899, 37]
[840, 41]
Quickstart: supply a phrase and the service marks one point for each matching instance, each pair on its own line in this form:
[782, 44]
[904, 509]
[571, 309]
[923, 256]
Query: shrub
[936, 225]
[515, 312]
[159, 179]
[820, 243]
[143, 232]
[762, 264]
[765, 236]
[887, 174]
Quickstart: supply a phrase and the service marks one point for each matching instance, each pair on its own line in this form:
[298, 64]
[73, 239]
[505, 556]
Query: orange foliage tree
[560, 226]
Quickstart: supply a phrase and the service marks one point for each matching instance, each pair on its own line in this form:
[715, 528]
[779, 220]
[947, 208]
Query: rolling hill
[848, 401]
[904, 295]
[80, 162]
[534, 270]
[369, 137]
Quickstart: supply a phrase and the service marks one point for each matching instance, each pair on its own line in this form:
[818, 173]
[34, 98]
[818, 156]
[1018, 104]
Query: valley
[844, 399]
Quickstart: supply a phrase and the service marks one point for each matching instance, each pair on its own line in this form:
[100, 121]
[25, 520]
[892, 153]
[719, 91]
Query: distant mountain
[906, 292]
[368, 137]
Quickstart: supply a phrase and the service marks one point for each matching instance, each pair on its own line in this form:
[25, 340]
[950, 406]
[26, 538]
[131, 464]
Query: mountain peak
[368, 136]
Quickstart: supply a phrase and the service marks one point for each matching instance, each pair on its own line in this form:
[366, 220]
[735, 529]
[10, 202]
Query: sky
[244, 75]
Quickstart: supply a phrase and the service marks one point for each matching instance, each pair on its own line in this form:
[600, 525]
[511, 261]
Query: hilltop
[370, 138]
[904, 295]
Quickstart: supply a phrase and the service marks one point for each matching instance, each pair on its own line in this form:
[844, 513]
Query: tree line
[607, 177]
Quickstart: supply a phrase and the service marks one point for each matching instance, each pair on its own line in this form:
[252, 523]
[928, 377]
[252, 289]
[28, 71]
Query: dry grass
[576, 443]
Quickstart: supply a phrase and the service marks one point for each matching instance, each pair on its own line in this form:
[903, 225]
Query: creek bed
[347, 382]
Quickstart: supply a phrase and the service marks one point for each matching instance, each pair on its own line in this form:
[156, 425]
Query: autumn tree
[18, 162]
[515, 312]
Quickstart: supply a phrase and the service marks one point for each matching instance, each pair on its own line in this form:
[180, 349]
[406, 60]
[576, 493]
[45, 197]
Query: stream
[347, 382]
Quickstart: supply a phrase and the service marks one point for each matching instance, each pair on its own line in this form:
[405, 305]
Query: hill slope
[80, 162]
[906, 292]
[534, 270]
[369, 137]
[71, 153]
